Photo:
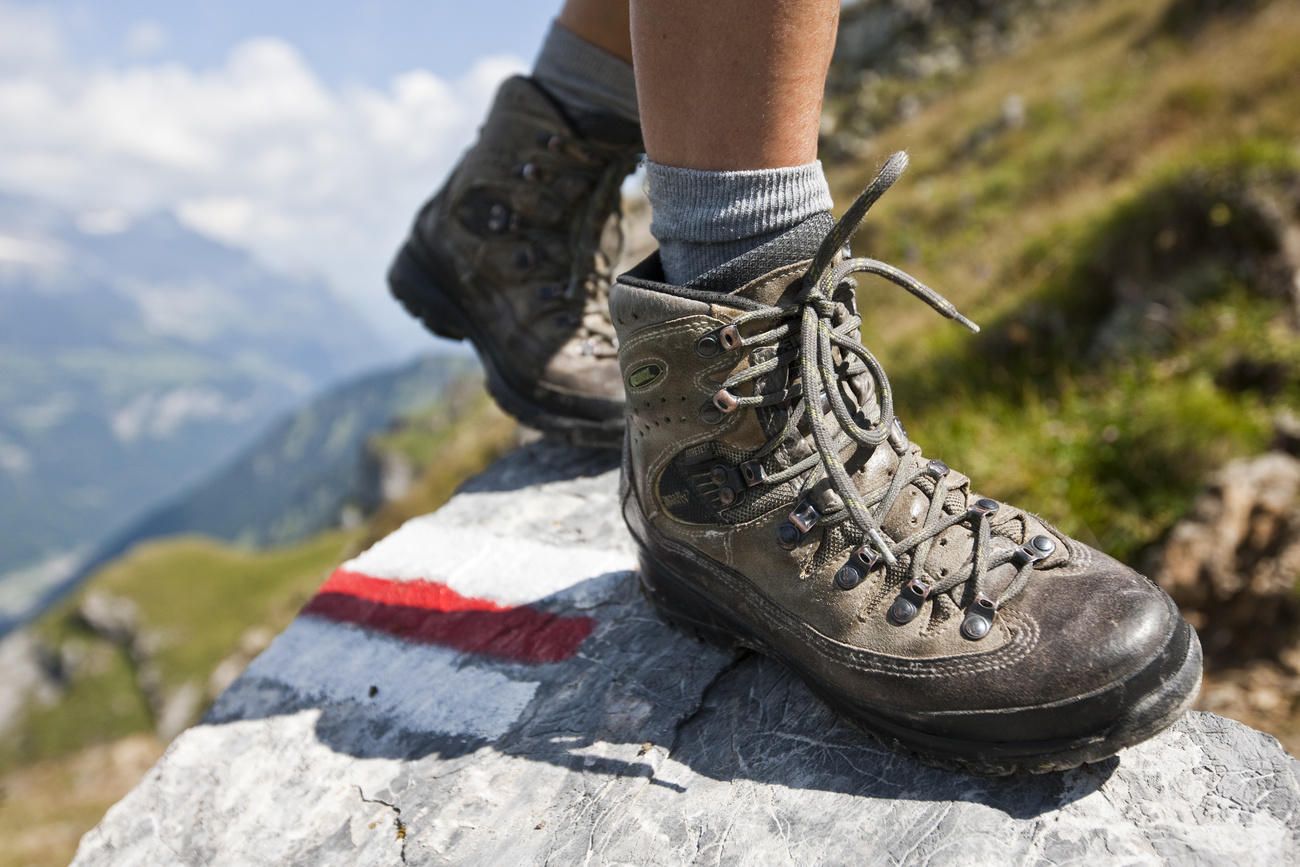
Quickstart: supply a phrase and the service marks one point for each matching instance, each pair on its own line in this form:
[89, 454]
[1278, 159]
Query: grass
[46, 806]
[199, 597]
[1136, 165]
[1144, 140]
[66, 763]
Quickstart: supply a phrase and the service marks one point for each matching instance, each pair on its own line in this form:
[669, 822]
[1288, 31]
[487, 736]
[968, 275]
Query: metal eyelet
[498, 218]
[707, 346]
[725, 401]
[937, 469]
[981, 508]
[1035, 550]
[729, 337]
[710, 414]
[753, 473]
[527, 171]
[898, 436]
[848, 577]
[861, 562]
[788, 536]
[909, 601]
[804, 517]
[979, 618]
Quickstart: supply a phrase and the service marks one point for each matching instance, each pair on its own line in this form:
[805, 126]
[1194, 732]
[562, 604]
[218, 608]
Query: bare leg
[603, 23]
[731, 84]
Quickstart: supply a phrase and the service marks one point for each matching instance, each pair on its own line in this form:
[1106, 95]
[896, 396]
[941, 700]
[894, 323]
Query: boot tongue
[743, 275]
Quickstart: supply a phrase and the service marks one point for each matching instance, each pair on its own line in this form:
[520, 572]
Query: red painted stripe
[428, 612]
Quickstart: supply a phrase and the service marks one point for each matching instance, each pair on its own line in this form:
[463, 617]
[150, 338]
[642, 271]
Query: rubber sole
[413, 283]
[677, 601]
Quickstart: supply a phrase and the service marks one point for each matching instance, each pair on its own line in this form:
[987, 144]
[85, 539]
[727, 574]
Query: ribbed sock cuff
[585, 78]
[703, 219]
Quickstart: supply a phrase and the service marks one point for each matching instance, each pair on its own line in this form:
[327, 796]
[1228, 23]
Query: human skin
[603, 23]
[722, 84]
[731, 84]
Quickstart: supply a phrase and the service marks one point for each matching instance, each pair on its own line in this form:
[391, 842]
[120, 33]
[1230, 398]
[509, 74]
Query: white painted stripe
[423, 688]
[485, 565]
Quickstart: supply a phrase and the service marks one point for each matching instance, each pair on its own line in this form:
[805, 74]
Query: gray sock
[585, 78]
[703, 219]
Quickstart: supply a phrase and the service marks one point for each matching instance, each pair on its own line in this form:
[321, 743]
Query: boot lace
[819, 333]
[586, 294]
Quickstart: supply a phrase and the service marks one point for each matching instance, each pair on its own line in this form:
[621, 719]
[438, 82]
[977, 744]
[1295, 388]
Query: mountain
[134, 358]
[309, 469]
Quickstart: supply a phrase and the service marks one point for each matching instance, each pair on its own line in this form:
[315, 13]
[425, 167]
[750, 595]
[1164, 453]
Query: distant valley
[135, 358]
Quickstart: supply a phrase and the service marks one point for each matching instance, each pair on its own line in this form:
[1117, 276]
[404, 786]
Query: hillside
[152, 637]
[309, 471]
[1110, 187]
[134, 358]
[1114, 204]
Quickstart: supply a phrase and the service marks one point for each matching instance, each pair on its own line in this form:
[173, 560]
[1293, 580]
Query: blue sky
[363, 41]
[307, 134]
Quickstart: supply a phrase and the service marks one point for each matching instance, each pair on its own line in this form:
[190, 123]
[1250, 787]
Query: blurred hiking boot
[779, 505]
[517, 253]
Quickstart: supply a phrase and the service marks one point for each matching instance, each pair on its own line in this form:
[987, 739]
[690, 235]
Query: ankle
[584, 78]
[703, 219]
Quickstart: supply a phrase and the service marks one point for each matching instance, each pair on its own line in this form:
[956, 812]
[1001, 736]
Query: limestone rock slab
[488, 686]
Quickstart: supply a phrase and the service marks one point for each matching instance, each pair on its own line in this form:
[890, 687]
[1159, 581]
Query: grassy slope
[199, 596]
[998, 218]
[67, 763]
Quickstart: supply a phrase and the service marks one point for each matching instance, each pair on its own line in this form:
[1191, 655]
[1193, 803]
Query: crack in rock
[398, 824]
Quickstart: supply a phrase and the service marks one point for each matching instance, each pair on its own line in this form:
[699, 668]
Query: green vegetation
[1121, 247]
[1118, 238]
[198, 597]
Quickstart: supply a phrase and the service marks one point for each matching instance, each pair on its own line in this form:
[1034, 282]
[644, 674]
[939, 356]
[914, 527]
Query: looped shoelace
[820, 378]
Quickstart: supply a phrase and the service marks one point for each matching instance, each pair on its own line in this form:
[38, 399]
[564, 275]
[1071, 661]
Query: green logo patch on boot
[646, 375]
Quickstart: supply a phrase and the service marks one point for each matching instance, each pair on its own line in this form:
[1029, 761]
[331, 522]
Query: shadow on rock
[541, 462]
[639, 700]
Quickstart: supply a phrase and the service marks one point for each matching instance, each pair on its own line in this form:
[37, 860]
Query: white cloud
[258, 151]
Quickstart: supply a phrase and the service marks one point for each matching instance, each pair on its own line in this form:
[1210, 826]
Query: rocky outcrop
[487, 685]
[1233, 565]
[116, 619]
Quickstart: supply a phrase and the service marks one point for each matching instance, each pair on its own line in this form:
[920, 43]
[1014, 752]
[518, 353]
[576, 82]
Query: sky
[305, 133]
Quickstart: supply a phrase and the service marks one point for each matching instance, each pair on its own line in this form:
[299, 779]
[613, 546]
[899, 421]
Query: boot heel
[673, 600]
[410, 283]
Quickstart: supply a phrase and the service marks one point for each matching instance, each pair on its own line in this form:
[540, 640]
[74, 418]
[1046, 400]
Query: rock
[251, 643]
[113, 618]
[1231, 565]
[487, 685]
[1286, 433]
[176, 709]
[31, 674]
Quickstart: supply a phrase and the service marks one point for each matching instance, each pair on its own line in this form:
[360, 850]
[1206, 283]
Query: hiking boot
[517, 253]
[779, 505]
